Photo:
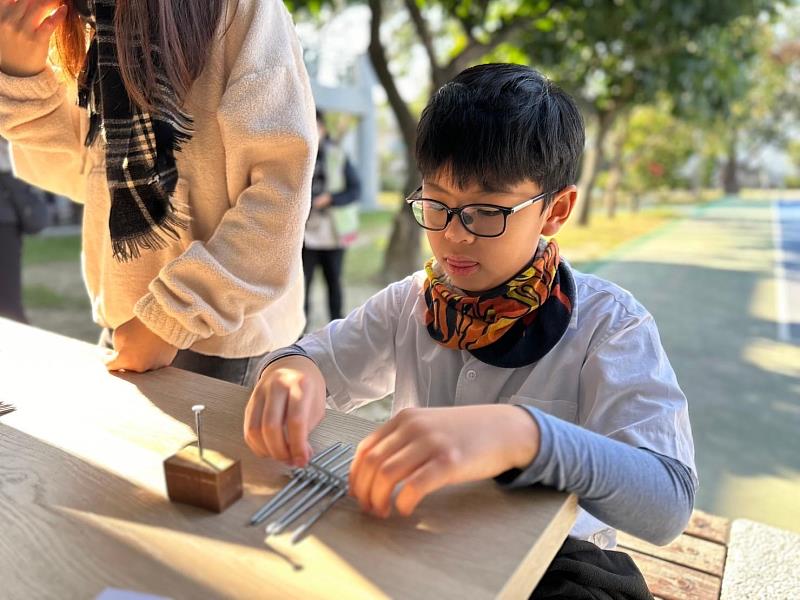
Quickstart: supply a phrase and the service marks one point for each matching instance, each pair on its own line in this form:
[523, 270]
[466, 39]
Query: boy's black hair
[500, 124]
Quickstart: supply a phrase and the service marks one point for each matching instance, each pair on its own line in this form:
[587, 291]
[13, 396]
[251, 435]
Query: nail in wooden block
[213, 482]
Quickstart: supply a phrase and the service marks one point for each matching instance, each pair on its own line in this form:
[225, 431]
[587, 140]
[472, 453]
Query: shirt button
[472, 375]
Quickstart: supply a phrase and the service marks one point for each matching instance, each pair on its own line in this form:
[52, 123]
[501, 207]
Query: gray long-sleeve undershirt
[638, 491]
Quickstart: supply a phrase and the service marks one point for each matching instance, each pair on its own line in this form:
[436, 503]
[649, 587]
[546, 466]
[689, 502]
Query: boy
[503, 361]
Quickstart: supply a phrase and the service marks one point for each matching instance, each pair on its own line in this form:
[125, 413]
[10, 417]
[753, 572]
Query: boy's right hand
[26, 27]
[286, 404]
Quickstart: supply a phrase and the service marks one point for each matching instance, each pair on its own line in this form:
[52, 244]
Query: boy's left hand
[138, 349]
[425, 449]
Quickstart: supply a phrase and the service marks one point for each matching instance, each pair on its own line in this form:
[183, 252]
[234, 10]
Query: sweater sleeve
[636, 490]
[40, 117]
[267, 122]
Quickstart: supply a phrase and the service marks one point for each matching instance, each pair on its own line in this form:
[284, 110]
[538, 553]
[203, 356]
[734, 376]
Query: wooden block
[213, 482]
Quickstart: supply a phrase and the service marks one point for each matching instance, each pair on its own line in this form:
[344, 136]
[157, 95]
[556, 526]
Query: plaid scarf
[140, 146]
[512, 325]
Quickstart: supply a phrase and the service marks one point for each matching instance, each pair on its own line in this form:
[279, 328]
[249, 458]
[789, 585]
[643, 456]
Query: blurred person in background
[21, 211]
[333, 222]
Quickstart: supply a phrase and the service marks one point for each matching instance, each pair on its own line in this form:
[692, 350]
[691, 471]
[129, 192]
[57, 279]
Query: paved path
[724, 286]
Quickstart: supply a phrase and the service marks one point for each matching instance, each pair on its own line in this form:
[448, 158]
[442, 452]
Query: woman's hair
[183, 30]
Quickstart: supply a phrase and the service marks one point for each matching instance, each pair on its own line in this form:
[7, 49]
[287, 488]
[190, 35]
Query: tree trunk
[403, 253]
[615, 170]
[591, 162]
[636, 199]
[730, 179]
[402, 256]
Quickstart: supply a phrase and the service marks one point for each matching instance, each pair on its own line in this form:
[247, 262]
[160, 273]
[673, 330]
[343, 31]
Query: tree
[740, 91]
[473, 30]
[656, 146]
[610, 54]
[615, 55]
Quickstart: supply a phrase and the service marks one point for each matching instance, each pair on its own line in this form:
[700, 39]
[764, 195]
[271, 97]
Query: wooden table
[83, 504]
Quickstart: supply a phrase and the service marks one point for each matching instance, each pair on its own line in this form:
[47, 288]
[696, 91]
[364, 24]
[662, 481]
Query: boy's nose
[456, 232]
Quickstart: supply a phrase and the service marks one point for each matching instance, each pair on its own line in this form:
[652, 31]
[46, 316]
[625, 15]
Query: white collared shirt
[608, 374]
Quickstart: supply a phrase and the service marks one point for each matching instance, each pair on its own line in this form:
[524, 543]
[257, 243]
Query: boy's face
[477, 263]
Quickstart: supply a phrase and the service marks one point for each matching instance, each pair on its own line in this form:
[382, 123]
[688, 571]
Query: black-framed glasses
[482, 220]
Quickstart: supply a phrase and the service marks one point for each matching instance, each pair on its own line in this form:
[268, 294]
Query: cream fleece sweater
[232, 286]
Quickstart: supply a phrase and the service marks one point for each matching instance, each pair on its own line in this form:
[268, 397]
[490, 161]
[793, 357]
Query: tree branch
[475, 48]
[427, 41]
[380, 63]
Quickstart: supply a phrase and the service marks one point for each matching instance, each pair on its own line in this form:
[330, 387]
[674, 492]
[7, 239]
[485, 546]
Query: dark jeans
[11, 273]
[241, 371]
[331, 262]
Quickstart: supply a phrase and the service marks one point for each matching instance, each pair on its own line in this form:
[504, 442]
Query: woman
[335, 184]
[193, 159]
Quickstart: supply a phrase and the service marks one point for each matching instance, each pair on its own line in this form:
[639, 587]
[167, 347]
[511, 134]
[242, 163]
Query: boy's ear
[559, 210]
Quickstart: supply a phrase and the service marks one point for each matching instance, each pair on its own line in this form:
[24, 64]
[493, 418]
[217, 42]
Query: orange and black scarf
[512, 325]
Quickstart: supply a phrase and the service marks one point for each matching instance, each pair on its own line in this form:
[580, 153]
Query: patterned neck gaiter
[511, 325]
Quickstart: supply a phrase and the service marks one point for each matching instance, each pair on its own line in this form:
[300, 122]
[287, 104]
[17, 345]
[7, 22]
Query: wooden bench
[691, 566]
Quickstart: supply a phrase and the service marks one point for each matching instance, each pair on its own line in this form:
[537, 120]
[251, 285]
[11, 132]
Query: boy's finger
[431, 476]
[252, 422]
[272, 421]
[297, 415]
[394, 470]
[369, 442]
[370, 463]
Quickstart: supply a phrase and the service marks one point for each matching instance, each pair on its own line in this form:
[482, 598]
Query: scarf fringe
[131, 246]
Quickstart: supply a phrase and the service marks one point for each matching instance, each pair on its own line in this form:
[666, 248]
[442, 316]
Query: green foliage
[737, 79]
[613, 54]
[656, 147]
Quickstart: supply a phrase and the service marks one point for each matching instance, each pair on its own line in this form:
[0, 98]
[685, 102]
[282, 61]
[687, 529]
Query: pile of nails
[318, 485]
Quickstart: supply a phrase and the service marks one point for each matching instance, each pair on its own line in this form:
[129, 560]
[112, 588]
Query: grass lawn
[50, 249]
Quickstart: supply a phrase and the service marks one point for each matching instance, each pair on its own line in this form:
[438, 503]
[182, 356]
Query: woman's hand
[138, 349]
[26, 27]
[425, 449]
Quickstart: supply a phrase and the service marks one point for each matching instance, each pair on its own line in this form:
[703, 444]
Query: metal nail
[298, 476]
[302, 478]
[298, 535]
[327, 484]
[316, 476]
[198, 409]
